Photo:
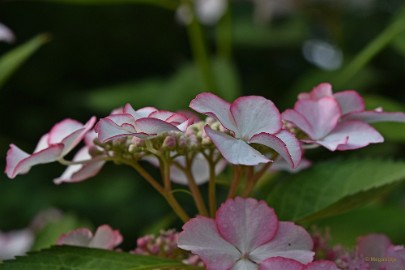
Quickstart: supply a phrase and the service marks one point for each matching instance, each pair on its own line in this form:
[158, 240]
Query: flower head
[104, 237]
[250, 120]
[329, 119]
[62, 138]
[244, 233]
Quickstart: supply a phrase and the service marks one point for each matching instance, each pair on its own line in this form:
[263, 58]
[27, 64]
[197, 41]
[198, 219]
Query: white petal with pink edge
[291, 241]
[214, 106]
[299, 120]
[200, 236]
[239, 222]
[280, 263]
[79, 237]
[322, 115]
[350, 101]
[235, 151]
[105, 237]
[153, 126]
[253, 115]
[376, 116]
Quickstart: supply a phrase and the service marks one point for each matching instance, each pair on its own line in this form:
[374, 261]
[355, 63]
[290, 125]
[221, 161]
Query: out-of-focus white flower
[208, 12]
[15, 243]
[6, 34]
[322, 54]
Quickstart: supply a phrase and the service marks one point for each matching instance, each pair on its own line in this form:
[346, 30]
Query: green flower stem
[224, 34]
[237, 173]
[375, 46]
[167, 194]
[255, 177]
[199, 49]
[192, 185]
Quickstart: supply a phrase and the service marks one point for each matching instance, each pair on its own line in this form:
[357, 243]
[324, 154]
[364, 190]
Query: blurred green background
[99, 57]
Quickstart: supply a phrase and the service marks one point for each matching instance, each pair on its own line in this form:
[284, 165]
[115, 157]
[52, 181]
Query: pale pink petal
[107, 129]
[214, 106]
[79, 237]
[358, 134]
[283, 143]
[6, 34]
[199, 169]
[318, 92]
[397, 252]
[373, 245]
[106, 238]
[241, 221]
[253, 115]
[141, 113]
[235, 151]
[376, 116]
[299, 120]
[291, 241]
[183, 126]
[350, 101]
[75, 137]
[322, 115]
[281, 164]
[244, 264]
[321, 265]
[66, 127]
[280, 263]
[162, 115]
[79, 172]
[153, 126]
[200, 236]
[19, 162]
[15, 243]
[43, 143]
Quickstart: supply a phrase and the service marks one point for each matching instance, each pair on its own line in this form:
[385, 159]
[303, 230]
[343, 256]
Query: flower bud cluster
[165, 245]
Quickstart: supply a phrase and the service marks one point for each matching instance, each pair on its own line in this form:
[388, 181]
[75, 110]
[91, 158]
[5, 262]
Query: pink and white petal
[19, 163]
[291, 241]
[376, 116]
[244, 264]
[298, 120]
[359, 134]
[199, 169]
[214, 106]
[281, 164]
[153, 126]
[79, 237]
[43, 143]
[106, 238]
[183, 126]
[284, 143]
[137, 114]
[176, 119]
[280, 263]
[321, 265]
[200, 236]
[162, 115]
[372, 245]
[15, 243]
[239, 221]
[6, 34]
[62, 129]
[108, 130]
[235, 151]
[318, 92]
[73, 139]
[253, 115]
[350, 101]
[79, 172]
[322, 115]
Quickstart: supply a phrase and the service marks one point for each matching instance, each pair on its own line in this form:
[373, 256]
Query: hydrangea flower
[15, 243]
[6, 34]
[87, 167]
[244, 233]
[279, 263]
[62, 138]
[250, 120]
[380, 252]
[321, 116]
[104, 237]
[143, 123]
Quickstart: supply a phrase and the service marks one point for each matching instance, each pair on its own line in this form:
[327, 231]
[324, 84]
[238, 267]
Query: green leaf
[332, 187]
[79, 258]
[13, 59]
[169, 4]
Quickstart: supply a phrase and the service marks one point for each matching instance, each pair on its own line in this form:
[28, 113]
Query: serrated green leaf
[13, 59]
[334, 184]
[79, 258]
